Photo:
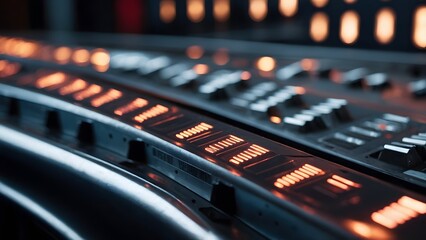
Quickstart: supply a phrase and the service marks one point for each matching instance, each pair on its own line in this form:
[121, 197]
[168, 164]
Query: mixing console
[277, 137]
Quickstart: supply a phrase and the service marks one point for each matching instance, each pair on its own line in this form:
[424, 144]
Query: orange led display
[197, 129]
[62, 55]
[151, 113]
[81, 56]
[221, 10]
[224, 144]
[399, 212]
[100, 59]
[248, 154]
[109, 96]
[342, 183]
[305, 172]
[194, 52]
[50, 80]
[135, 104]
[75, 86]
[88, 92]
[258, 10]
[167, 11]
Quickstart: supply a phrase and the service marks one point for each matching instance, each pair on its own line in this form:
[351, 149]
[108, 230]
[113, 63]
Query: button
[383, 125]
[345, 141]
[153, 65]
[418, 88]
[421, 145]
[364, 133]
[339, 109]
[299, 124]
[354, 78]
[377, 81]
[317, 120]
[402, 155]
[128, 61]
[173, 70]
[213, 93]
[290, 71]
[396, 118]
[185, 79]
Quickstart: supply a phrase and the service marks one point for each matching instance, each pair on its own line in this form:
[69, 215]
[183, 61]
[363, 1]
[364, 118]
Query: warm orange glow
[50, 80]
[107, 97]
[167, 11]
[419, 27]
[385, 25]
[81, 56]
[3, 64]
[88, 92]
[248, 154]
[62, 55]
[349, 27]
[151, 113]
[288, 8]
[194, 52]
[275, 119]
[221, 10]
[319, 3]
[25, 49]
[350, 1]
[258, 9]
[75, 86]
[195, 10]
[226, 143]
[201, 68]
[419, 207]
[196, 130]
[266, 64]
[309, 64]
[319, 27]
[337, 184]
[305, 172]
[8, 69]
[299, 90]
[368, 231]
[221, 57]
[132, 106]
[100, 59]
[399, 212]
[346, 181]
[245, 75]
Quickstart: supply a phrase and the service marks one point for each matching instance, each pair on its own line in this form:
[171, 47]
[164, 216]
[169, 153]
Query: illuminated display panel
[252, 152]
[194, 131]
[107, 97]
[224, 144]
[132, 106]
[74, 86]
[88, 92]
[151, 113]
[301, 174]
[50, 80]
[342, 183]
[399, 212]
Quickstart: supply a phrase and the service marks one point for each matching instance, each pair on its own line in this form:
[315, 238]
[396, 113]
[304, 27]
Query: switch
[418, 88]
[354, 78]
[299, 124]
[377, 81]
[402, 155]
[339, 109]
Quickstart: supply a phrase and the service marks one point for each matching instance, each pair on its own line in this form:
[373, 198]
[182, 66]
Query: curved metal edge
[38, 211]
[104, 176]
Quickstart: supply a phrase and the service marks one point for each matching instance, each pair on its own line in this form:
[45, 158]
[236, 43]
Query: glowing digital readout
[197, 129]
[151, 113]
[301, 174]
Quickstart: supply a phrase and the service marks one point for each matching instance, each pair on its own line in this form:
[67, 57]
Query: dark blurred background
[373, 24]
